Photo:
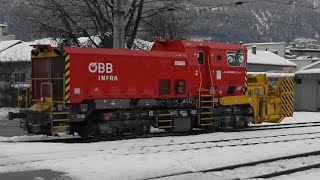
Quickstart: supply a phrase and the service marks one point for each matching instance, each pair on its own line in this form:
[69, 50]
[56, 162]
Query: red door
[204, 63]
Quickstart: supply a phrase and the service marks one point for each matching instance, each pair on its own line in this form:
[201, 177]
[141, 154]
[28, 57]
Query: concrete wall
[307, 95]
[263, 68]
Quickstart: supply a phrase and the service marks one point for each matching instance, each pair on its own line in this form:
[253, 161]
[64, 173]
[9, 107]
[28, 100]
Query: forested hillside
[217, 20]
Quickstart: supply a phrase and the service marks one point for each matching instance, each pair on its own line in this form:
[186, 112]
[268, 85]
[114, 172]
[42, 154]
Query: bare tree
[173, 24]
[88, 18]
[7, 91]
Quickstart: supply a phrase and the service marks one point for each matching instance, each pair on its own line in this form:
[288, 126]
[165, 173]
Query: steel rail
[253, 163]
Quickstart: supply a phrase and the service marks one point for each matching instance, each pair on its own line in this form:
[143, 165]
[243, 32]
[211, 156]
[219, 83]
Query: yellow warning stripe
[67, 81]
[245, 82]
[287, 99]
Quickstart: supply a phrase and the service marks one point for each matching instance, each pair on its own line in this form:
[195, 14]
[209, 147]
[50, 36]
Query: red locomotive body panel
[172, 69]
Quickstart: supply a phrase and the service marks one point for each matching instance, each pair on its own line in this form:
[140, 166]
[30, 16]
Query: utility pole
[118, 24]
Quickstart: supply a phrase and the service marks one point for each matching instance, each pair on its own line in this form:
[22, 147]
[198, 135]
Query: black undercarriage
[114, 117]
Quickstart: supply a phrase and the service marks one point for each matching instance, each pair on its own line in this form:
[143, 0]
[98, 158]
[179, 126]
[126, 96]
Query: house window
[19, 77]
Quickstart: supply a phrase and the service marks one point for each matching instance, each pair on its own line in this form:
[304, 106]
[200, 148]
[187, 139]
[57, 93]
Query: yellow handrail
[210, 70]
[211, 79]
[199, 90]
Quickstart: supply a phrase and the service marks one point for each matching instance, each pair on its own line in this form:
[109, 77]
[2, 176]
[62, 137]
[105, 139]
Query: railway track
[252, 167]
[281, 126]
[220, 144]
[210, 144]
[202, 145]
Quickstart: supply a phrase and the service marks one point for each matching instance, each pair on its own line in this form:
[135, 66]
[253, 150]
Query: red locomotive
[177, 86]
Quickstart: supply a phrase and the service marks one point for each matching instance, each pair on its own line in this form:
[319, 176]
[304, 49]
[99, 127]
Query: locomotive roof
[124, 52]
[164, 48]
[182, 45]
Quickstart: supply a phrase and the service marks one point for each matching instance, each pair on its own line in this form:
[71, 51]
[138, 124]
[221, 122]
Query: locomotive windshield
[236, 59]
[47, 73]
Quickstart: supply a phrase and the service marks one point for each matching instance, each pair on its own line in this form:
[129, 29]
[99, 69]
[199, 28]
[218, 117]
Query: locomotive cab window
[236, 59]
[200, 55]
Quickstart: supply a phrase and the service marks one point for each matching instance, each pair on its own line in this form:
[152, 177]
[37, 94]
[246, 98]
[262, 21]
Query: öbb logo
[100, 67]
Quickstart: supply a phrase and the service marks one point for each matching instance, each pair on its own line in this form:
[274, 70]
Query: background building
[305, 52]
[304, 61]
[266, 61]
[307, 88]
[5, 36]
[274, 47]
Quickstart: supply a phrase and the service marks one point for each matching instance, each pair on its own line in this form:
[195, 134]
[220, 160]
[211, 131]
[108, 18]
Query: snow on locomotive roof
[274, 75]
[268, 58]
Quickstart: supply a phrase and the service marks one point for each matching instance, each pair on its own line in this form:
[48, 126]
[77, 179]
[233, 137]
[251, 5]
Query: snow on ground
[302, 117]
[135, 159]
[4, 112]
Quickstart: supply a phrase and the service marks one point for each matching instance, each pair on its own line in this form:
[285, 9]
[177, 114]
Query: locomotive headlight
[57, 51]
[34, 52]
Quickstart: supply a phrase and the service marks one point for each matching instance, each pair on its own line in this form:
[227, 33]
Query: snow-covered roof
[22, 51]
[309, 71]
[140, 44]
[268, 58]
[86, 42]
[266, 43]
[310, 65]
[7, 44]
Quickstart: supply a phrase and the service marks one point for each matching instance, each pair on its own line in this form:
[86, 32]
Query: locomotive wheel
[244, 124]
[209, 129]
[87, 130]
[140, 130]
[237, 125]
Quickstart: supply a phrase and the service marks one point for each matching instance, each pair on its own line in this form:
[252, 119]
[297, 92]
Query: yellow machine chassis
[270, 104]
